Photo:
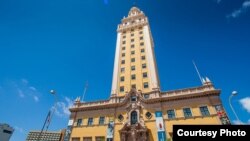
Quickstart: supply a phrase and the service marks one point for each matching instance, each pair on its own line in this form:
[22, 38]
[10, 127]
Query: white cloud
[20, 88]
[36, 98]
[32, 88]
[24, 81]
[245, 102]
[19, 129]
[20, 93]
[238, 12]
[62, 107]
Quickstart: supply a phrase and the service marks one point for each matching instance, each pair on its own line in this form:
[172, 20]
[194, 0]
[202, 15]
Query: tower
[134, 65]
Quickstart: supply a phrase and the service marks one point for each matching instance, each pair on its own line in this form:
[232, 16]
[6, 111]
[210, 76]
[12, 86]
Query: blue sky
[61, 44]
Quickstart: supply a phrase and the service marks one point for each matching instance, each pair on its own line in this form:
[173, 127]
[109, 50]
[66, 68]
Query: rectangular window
[99, 138]
[143, 58]
[171, 114]
[123, 42]
[187, 112]
[132, 68]
[144, 66]
[141, 44]
[133, 77]
[145, 85]
[133, 86]
[133, 98]
[141, 38]
[146, 96]
[124, 37]
[132, 52]
[123, 61]
[122, 89]
[204, 111]
[101, 120]
[123, 48]
[132, 29]
[7, 131]
[142, 50]
[132, 34]
[145, 75]
[90, 121]
[132, 59]
[132, 40]
[132, 46]
[123, 54]
[87, 138]
[140, 32]
[124, 32]
[79, 122]
[122, 78]
[122, 70]
[75, 139]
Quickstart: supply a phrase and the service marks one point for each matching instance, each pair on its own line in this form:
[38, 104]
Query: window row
[133, 76]
[145, 86]
[98, 138]
[132, 35]
[133, 46]
[132, 60]
[133, 40]
[132, 30]
[91, 121]
[133, 53]
[133, 68]
[187, 112]
[171, 113]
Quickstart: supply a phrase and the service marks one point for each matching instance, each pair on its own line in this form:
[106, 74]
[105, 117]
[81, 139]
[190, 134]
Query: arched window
[133, 117]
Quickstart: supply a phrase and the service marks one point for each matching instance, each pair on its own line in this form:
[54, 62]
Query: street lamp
[53, 92]
[234, 93]
[49, 115]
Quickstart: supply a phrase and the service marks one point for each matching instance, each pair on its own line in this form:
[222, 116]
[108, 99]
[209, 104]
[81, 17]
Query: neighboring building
[5, 132]
[137, 109]
[46, 136]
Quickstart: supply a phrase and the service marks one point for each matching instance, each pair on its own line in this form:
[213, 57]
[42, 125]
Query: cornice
[176, 95]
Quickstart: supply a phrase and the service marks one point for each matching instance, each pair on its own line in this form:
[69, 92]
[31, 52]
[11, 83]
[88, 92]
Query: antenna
[85, 89]
[198, 72]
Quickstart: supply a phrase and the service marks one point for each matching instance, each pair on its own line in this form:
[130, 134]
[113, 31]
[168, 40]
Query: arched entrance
[133, 117]
[135, 132]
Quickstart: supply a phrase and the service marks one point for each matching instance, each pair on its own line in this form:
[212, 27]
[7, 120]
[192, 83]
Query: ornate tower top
[134, 19]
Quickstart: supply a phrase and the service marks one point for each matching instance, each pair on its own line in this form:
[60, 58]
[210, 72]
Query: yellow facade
[141, 113]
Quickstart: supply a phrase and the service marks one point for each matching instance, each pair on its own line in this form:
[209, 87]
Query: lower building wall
[112, 114]
[89, 131]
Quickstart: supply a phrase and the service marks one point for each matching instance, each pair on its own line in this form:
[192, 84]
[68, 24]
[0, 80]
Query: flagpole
[84, 92]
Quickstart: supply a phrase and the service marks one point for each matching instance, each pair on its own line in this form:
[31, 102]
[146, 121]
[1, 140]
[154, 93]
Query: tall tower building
[135, 65]
[137, 109]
